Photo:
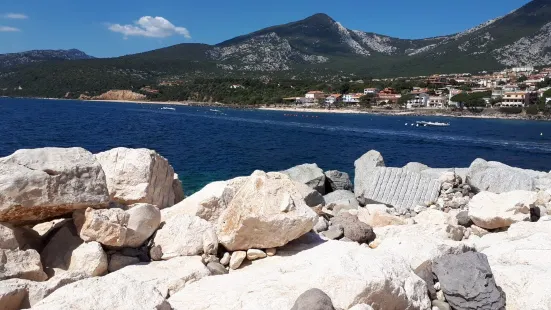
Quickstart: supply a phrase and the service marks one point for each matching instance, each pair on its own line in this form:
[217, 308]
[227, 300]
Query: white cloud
[152, 27]
[8, 29]
[15, 16]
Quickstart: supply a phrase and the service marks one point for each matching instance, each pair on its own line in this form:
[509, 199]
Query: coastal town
[519, 87]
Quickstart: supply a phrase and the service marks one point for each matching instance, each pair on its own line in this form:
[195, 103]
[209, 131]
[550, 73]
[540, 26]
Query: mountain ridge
[15, 59]
[316, 47]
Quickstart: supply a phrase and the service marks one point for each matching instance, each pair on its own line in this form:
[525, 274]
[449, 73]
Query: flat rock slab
[402, 189]
[348, 273]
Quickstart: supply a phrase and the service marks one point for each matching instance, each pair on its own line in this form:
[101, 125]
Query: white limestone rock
[143, 221]
[377, 216]
[113, 291]
[138, 176]
[237, 259]
[21, 264]
[435, 217]
[254, 218]
[106, 226]
[168, 277]
[491, 211]
[347, 272]
[66, 253]
[40, 184]
[309, 174]
[363, 170]
[499, 178]
[421, 242]
[186, 235]
[209, 202]
[519, 259]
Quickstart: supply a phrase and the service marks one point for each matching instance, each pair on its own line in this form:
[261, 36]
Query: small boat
[214, 110]
[168, 108]
[435, 124]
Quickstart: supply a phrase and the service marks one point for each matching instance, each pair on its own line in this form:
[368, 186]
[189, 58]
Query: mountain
[16, 59]
[317, 47]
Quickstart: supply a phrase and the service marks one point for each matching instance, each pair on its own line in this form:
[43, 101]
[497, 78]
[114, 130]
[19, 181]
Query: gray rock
[415, 167]
[441, 305]
[424, 271]
[309, 174]
[354, 229]
[402, 189]
[216, 268]
[467, 282]
[118, 261]
[312, 197]
[313, 299]
[321, 225]
[335, 232]
[499, 178]
[336, 180]
[341, 197]
[341, 208]
[363, 168]
[463, 219]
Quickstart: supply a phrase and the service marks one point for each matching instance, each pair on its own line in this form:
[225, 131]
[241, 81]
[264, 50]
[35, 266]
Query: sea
[208, 144]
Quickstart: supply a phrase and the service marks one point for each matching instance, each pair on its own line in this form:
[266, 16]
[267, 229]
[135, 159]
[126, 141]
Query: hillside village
[519, 87]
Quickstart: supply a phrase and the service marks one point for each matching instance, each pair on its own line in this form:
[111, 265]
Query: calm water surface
[205, 145]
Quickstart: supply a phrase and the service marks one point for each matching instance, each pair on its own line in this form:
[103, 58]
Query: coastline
[418, 112]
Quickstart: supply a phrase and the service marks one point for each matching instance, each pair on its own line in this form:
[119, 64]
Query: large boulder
[467, 282]
[40, 184]
[186, 235]
[498, 178]
[138, 176]
[491, 211]
[143, 221]
[22, 238]
[421, 242]
[347, 272]
[520, 260]
[313, 299]
[106, 226]
[207, 203]
[336, 180]
[66, 253]
[403, 189]
[341, 197]
[21, 264]
[168, 277]
[22, 294]
[309, 174]
[363, 168]
[114, 291]
[267, 212]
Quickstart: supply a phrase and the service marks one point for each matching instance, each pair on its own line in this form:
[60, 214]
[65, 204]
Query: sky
[109, 28]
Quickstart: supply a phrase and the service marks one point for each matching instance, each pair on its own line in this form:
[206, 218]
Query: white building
[371, 91]
[352, 98]
[418, 101]
[519, 99]
[438, 102]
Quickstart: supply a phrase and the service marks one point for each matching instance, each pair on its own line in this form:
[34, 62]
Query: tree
[404, 99]
[367, 100]
[344, 88]
[501, 83]
[522, 79]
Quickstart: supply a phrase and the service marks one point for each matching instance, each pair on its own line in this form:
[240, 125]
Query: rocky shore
[114, 231]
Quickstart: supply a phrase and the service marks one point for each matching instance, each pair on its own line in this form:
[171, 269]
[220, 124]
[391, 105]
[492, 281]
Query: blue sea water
[204, 145]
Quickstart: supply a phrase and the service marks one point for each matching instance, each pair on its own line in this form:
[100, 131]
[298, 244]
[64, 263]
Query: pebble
[216, 269]
[253, 254]
[271, 252]
[237, 259]
[225, 260]
[440, 296]
[208, 258]
[437, 286]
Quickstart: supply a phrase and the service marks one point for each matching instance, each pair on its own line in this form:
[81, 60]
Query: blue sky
[104, 28]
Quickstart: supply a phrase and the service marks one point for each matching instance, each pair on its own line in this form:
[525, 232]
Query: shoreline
[420, 113]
